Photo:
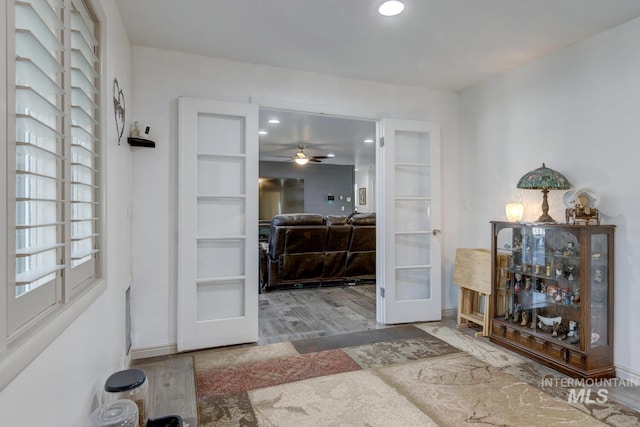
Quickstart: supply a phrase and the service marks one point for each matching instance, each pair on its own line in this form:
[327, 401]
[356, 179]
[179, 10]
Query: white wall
[60, 387]
[366, 179]
[578, 111]
[320, 180]
[160, 77]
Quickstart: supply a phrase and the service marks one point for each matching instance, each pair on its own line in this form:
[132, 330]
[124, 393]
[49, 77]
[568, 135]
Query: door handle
[436, 232]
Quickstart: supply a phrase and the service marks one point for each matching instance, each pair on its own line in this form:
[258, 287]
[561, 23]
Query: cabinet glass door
[538, 282]
[599, 295]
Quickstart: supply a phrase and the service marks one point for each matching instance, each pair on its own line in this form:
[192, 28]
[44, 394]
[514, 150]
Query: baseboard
[127, 360]
[450, 312]
[628, 374]
[147, 352]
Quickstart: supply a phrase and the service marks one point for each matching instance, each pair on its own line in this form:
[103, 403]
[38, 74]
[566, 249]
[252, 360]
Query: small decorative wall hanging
[362, 196]
[118, 109]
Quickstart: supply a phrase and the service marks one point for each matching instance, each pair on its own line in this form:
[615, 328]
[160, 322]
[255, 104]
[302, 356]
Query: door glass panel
[413, 181]
[220, 300]
[220, 258]
[221, 134]
[413, 215]
[413, 250]
[221, 176]
[220, 217]
[412, 147]
[413, 283]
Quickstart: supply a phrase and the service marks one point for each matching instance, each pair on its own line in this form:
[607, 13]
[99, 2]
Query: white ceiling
[320, 134]
[438, 44]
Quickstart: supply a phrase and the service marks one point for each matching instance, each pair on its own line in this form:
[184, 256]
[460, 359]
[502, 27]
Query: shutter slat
[52, 178]
[78, 23]
[29, 74]
[84, 236]
[82, 82]
[78, 42]
[82, 165]
[35, 127]
[36, 225]
[84, 254]
[92, 219]
[79, 61]
[28, 19]
[28, 98]
[81, 118]
[26, 146]
[28, 46]
[81, 134]
[47, 11]
[78, 97]
[32, 275]
[38, 249]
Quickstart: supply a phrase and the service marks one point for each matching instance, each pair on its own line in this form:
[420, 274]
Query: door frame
[361, 114]
[389, 308]
[238, 283]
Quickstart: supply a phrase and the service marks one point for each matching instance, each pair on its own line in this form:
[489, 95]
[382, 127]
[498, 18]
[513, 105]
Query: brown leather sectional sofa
[311, 248]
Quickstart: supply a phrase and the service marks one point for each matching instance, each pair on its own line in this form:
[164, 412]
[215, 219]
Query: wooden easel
[473, 274]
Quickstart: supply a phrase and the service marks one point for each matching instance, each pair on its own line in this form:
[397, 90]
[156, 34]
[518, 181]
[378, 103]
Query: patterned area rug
[425, 375]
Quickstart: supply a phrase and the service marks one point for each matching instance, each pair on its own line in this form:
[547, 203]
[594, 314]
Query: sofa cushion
[368, 218]
[305, 239]
[301, 267]
[312, 239]
[336, 220]
[361, 265]
[297, 219]
[363, 238]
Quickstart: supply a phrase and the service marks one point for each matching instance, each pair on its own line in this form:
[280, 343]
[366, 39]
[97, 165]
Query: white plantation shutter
[56, 164]
[84, 153]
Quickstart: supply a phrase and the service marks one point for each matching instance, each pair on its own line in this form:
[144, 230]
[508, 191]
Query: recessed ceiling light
[274, 121]
[368, 140]
[263, 132]
[391, 8]
[331, 155]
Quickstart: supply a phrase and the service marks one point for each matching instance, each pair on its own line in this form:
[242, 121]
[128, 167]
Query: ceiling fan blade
[314, 159]
[321, 157]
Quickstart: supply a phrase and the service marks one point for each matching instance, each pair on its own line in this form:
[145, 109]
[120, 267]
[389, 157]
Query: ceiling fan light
[391, 8]
[301, 160]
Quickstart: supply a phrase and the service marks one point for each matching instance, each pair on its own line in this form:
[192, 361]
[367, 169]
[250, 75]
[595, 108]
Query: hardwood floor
[284, 315]
[289, 315]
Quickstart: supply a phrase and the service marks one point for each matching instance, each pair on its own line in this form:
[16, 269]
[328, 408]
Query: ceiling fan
[302, 158]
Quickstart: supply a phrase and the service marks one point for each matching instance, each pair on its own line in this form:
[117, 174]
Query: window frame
[19, 350]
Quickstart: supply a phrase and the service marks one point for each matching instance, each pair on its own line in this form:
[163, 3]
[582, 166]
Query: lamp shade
[514, 211]
[541, 178]
[544, 179]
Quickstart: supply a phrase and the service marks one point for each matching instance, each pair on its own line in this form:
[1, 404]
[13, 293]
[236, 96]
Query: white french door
[409, 241]
[218, 224]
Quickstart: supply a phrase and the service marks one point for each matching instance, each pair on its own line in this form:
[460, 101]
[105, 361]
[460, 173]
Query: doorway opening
[320, 165]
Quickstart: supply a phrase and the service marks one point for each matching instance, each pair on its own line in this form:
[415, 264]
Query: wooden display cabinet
[552, 296]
